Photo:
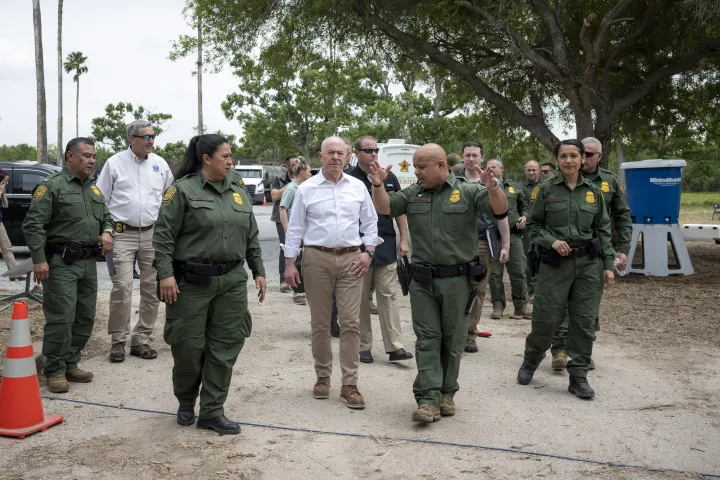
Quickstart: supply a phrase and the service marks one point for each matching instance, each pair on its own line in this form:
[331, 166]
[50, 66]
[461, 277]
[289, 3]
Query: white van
[400, 155]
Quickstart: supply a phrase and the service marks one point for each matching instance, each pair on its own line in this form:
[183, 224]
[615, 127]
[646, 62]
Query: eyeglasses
[590, 154]
[145, 137]
[545, 172]
[369, 150]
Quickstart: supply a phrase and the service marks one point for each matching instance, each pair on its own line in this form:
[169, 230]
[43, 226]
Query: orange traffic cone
[21, 410]
[264, 201]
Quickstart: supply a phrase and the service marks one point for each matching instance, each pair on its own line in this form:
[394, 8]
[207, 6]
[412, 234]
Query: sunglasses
[590, 154]
[545, 172]
[145, 137]
[369, 150]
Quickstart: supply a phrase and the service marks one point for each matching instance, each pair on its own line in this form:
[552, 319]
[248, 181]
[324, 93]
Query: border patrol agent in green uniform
[442, 213]
[67, 226]
[517, 216]
[205, 233]
[619, 212]
[571, 226]
[532, 178]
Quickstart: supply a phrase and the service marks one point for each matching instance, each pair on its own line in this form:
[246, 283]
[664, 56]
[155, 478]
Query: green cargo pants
[575, 284]
[440, 325]
[529, 278]
[69, 300]
[516, 270]
[206, 329]
[559, 341]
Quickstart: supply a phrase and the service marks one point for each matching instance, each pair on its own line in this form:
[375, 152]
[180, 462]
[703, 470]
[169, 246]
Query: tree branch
[710, 49]
[555, 32]
[608, 20]
[521, 43]
[529, 122]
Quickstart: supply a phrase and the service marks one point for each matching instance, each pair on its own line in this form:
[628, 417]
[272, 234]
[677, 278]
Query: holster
[477, 270]
[404, 274]
[534, 259]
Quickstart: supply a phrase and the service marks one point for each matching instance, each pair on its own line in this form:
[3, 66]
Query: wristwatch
[371, 253]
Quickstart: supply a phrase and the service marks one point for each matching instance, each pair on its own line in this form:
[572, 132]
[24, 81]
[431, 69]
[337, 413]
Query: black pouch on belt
[198, 273]
[421, 273]
[477, 270]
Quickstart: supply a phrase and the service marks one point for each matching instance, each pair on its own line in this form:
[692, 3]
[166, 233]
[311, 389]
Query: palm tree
[75, 62]
[201, 127]
[60, 87]
[42, 151]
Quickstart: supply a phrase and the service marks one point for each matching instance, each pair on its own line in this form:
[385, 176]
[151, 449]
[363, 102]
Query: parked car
[24, 177]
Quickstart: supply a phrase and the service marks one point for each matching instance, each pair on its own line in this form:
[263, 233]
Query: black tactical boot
[220, 424]
[579, 386]
[186, 416]
[525, 374]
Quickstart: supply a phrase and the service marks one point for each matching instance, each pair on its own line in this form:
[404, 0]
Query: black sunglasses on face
[590, 154]
[545, 172]
[145, 137]
[369, 150]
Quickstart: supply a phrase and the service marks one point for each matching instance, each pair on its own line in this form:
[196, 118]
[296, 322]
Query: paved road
[268, 242]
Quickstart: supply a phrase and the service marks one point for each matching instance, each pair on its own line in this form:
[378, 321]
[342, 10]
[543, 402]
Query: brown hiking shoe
[321, 390]
[78, 376]
[523, 312]
[426, 413]
[447, 406]
[592, 364]
[117, 352]
[58, 384]
[559, 361]
[497, 313]
[351, 396]
[285, 288]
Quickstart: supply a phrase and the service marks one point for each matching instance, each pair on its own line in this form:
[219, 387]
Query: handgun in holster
[404, 274]
[534, 259]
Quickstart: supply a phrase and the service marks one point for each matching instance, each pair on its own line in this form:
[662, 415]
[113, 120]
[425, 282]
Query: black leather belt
[79, 252]
[336, 251]
[440, 271]
[121, 227]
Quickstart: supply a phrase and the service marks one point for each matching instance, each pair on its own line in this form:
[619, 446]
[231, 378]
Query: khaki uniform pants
[127, 244]
[474, 317]
[6, 248]
[385, 281]
[325, 273]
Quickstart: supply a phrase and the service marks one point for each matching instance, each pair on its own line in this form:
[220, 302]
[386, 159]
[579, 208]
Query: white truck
[258, 179]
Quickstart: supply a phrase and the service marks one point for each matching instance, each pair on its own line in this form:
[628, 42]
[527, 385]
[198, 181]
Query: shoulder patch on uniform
[238, 198]
[39, 192]
[590, 197]
[96, 190]
[511, 190]
[240, 181]
[455, 196]
[622, 188]
[605, 187]
[534, 193]
[169, 194]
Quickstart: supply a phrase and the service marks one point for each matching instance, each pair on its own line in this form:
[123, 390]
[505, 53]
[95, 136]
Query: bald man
[532, 178]
[442, 212]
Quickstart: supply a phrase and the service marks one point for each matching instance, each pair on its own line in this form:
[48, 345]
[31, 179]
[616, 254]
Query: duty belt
[440, 271]
[205, 268]
[75, 250]
[589, 249]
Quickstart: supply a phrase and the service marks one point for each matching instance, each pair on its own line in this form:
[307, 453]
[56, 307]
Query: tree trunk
[42, 153]
[438, 97]
[201, 128]
[60, 87]
[620, 159]
[77, 107]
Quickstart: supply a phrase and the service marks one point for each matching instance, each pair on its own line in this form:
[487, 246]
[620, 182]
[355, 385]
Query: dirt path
[657, 405]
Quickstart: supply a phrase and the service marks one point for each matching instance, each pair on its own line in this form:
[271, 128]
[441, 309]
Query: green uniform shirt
[199, 221]
[617, 206]
[518, 205]
[527, 187]
[442, 222]
[64, 209]
[574, 216]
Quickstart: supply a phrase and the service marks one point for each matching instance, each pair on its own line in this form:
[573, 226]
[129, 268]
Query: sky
[127, 45]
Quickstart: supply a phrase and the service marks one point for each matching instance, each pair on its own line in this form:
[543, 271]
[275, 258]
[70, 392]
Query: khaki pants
[127, 244]
[6, 248]
[474, 317]
[325, 273]
[385, 280]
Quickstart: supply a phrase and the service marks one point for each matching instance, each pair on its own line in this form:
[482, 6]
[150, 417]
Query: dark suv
[24, 176]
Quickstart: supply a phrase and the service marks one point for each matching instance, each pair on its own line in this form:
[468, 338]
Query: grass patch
[699, 199]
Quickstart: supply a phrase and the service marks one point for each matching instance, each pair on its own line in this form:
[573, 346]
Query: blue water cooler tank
[653, 190]
[653, 194]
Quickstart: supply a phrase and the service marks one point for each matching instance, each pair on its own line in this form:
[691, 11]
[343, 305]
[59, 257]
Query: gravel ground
[656, 406]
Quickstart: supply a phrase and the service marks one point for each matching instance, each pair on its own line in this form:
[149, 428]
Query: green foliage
[698, 199]
[173, 153]
[110, 129]
[75, 64]
[12, 153]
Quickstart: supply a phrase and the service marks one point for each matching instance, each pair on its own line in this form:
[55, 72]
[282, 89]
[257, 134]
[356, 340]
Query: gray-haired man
[133, 182]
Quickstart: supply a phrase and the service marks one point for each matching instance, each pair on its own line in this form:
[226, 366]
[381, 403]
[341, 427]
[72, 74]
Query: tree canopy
[110, 129]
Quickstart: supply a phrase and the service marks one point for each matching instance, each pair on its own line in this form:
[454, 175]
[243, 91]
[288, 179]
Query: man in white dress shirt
[133, 182]
[330, 211]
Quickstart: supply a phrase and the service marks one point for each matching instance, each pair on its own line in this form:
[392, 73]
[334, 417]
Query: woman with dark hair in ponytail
[571, 227]
[205, 233]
